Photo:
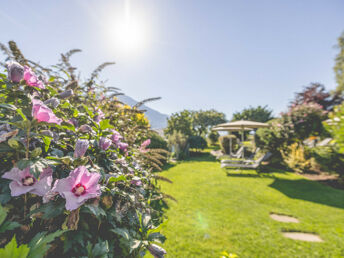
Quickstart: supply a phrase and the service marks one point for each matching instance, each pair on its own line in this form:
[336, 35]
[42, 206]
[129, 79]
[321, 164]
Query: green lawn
[217, 212]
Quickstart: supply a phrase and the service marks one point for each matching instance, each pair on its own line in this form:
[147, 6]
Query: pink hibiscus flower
[99, 115]
[78, 187]
[104, 143]
[144, 145]
[31, 78]
[81, 147]
[123, 146]
[23, 181]
[116, 137]
[44, 114]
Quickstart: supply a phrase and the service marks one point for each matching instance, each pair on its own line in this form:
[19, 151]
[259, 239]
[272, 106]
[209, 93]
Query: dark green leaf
[39, 244]
[9, 225]
[122, 232]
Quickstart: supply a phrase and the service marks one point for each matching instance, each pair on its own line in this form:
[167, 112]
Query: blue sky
[223, 54]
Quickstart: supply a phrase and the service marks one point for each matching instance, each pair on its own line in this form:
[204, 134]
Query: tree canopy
[194, 122]
[259, 114]
[202, 121]
[316, 93]
[180, 122]
[339, 66]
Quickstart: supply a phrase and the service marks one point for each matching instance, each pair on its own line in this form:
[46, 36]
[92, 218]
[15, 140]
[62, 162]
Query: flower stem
[27, 142]
[25, 204]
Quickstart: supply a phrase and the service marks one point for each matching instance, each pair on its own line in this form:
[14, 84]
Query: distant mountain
[156, 119]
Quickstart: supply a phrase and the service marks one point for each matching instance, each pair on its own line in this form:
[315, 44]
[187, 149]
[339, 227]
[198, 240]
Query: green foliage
[299, 123]
[213, 137]
[197, 142]
[328, 158]
[339, 66]
[302, 121]
[273, 138]
[180, 122]
[336, 126]
[225, 143]
[12, 250]
[202, 121]
[6, 225]
[39, 245]
[157, 142]
[194, 122]
[295, 158]
[127, 185]
[258, 114]
[178, 142]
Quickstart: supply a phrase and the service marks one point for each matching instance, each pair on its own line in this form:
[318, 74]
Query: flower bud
[15, 71]
[104, 143]
[156, 251]
[74, 122]
[53, 102]
[136, 182]
[66, 94]
[123, 146]
[116, 137]
[81, 147]
[85, 129]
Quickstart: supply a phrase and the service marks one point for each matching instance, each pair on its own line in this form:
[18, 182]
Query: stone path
[284, 218]
[302, 236]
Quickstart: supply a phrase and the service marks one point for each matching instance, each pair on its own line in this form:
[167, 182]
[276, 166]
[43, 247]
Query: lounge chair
[237, 155]
[249, 160]
[247, 164]
[324, 142]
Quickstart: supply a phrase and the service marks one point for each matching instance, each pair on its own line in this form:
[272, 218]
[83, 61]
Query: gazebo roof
[243, 124]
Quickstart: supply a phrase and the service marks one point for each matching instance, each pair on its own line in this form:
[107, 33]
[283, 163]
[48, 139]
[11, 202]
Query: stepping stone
[303, 236]
[284, 218]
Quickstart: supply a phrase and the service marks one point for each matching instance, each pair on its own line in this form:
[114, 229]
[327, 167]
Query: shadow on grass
[167, 166]
[251, 175]
[200, 156]
[306, 190]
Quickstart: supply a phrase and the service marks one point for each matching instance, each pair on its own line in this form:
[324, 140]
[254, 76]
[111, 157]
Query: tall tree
[202, 121]
[258, 114]
[180, 122]
[339, 66]
[316, 93]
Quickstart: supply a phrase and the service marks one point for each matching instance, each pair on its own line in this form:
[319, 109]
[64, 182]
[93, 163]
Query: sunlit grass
[218, 212]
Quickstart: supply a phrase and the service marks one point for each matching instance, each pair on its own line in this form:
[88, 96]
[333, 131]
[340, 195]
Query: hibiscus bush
[74, 177]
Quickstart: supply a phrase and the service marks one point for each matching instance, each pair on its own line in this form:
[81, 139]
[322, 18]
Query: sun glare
[127, 31]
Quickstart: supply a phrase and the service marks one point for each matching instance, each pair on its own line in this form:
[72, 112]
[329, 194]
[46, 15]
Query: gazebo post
[242, 142]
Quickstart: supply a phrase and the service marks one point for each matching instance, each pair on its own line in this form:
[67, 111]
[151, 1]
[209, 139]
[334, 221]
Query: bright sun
[127, 32]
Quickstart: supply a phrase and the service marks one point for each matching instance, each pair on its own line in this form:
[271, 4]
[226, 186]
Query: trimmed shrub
[225, 143]
[296, 159]
[178, 143]
[157, 142]
[328, 159]
[213, 137]
[197, 142]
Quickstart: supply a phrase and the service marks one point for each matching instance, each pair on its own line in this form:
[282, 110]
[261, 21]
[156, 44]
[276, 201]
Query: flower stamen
[79, 189]
[28, 180]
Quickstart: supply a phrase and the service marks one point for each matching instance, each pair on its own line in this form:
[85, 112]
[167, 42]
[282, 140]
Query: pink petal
[42, 186]
[63, 186]
[48, 171]
[19, 189]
